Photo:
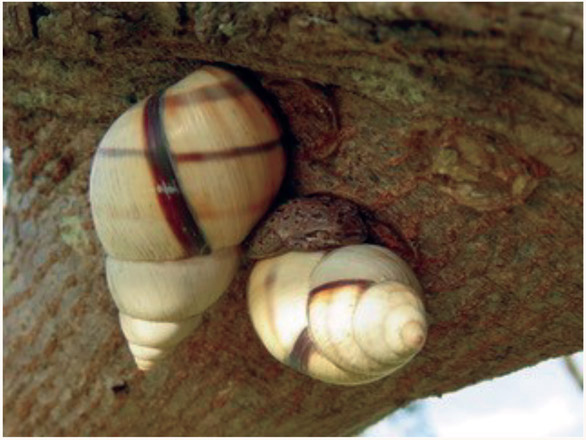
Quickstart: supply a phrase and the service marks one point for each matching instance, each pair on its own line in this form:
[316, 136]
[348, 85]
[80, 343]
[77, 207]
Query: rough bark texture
[457, 128]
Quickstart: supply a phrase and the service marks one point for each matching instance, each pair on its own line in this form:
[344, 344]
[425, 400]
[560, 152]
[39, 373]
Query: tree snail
[347, 316]
[177, 183]
[307, 224]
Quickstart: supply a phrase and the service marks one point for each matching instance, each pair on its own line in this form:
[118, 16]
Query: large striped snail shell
[177, 183]
[349, 316]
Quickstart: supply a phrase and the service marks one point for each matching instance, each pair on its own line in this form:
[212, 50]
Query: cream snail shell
[177, 183]
[349, 316]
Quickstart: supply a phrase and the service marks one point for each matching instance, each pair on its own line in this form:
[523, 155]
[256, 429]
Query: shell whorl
[349, 316]
[161, 303]
[177, 183]
[151, 341]
[186, 171]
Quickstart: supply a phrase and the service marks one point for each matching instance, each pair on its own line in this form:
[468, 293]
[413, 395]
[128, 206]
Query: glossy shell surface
[177, 183]
[186, 171]
[348, 317]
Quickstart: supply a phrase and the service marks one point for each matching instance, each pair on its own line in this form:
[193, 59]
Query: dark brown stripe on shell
[199, 156]
[299, 356]
[333, 285]
[216, 92]
[228, 153]
[169, 194]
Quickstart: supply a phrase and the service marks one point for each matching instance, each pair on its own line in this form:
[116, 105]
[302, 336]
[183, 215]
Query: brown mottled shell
[308, 224]
[348, 317]
[312, 117]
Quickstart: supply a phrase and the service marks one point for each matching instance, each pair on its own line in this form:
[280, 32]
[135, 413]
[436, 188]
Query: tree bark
[457, 129]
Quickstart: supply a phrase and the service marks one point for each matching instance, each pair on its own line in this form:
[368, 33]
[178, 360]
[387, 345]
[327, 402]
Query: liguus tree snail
[177, 183]
[348, 316]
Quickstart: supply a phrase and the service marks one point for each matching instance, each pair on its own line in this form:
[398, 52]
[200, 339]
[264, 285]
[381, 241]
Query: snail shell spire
[349, 316]
[181, 176]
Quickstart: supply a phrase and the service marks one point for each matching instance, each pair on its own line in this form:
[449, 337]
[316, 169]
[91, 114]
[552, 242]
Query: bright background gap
[540, 401]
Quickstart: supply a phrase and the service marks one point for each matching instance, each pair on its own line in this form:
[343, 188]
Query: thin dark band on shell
[177, 211]
[301, 352]
[334, 285]
[213, 92]
[228, 153]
